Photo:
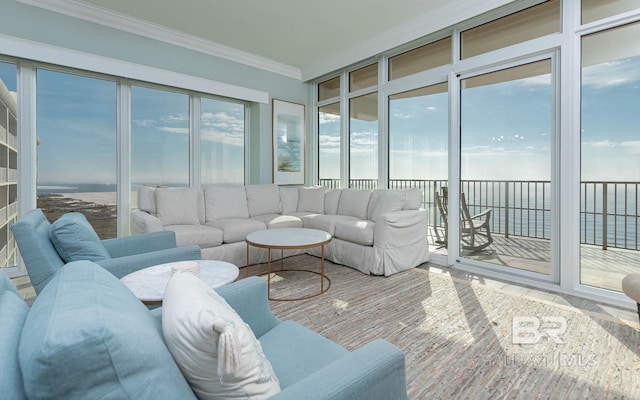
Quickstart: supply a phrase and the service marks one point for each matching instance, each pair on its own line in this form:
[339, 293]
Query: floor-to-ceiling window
[610, 148]
[329, 140]
[76, 152]
[8, 162]
[363, 128]
[222, 127]
[418, 150]
[159, 137]
[97, 133]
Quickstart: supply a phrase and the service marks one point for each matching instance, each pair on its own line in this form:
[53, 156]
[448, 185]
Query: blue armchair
[124, 255]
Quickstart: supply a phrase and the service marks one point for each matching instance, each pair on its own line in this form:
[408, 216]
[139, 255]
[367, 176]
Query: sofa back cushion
[40, 257]
[263, 199]
[74, 239]
[147, 199]
[413, 199]
[354, 202]
[311, 199]
[384, 201]
[177, 206]
[225, 202]
[13, 313]
[289, 198]
[87, 336]
[331, 199]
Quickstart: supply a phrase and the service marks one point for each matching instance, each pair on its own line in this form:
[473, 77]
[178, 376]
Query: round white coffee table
[290, 239]
[148, 284]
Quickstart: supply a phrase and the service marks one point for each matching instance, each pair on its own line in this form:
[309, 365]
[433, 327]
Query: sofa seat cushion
[236, 229]
[200, 235]
[263, 199]
[360, 232]
[13, 313]
[88, 337]
[215, 349]
[74, 239]
[325, 222]
[273, 221]
[296, 352]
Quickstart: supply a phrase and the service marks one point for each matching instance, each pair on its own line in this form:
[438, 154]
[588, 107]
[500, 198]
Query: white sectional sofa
[378, 232]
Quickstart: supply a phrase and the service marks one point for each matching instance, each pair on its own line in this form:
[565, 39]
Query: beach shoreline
[101, 213]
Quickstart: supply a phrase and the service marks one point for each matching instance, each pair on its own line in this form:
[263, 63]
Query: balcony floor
[600, 268]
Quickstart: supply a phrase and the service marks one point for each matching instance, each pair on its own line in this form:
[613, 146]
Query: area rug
[464, 340]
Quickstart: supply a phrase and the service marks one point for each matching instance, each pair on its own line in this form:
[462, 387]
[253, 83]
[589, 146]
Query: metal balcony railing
[609, 211]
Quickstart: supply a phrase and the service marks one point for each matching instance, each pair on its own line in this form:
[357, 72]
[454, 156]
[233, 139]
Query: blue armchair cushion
[13, 312]
[88, 337]
[74, 239]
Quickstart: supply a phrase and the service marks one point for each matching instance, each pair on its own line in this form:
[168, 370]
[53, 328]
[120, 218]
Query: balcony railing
[609, 211]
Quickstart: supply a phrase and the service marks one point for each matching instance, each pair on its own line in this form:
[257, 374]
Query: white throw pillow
[354, 202]
[225, 202]
[177, 206]
[263, 199]
[216, 351]
[311, 199]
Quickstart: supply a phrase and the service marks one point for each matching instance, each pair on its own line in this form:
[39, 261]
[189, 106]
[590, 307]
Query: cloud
[632, 147]
[601, 144]
[612, 73]
[183, 131]
[403, 115]
[326, 118]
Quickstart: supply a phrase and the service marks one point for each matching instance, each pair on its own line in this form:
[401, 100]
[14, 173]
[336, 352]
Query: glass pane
[329, 89]
[76, 120]
[159, 138]
[610, 144]
[593, 10]
[8, 162]
[524, 25]
[505, 169]
[363, 78]
[329, 145]
[363, 142]
[418, 150]
[421, 59]
[222, 142]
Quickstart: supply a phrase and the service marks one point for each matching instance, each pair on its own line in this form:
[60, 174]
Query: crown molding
[98, 15]
[442, 18]
[36, 51]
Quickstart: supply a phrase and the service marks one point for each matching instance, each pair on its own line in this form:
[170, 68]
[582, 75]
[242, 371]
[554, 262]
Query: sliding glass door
[506, 158]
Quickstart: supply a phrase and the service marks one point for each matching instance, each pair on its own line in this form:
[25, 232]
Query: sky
[76, 122]
[506, 131]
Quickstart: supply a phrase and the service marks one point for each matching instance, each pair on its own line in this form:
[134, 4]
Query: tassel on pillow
[228, 347]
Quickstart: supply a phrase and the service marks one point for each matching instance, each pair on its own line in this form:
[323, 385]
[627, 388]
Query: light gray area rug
[465, 340]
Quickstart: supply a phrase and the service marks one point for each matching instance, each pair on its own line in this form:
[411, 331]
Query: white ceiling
[303, 39]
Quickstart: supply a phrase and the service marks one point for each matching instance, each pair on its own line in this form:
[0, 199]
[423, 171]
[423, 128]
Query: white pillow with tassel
[216, 351]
